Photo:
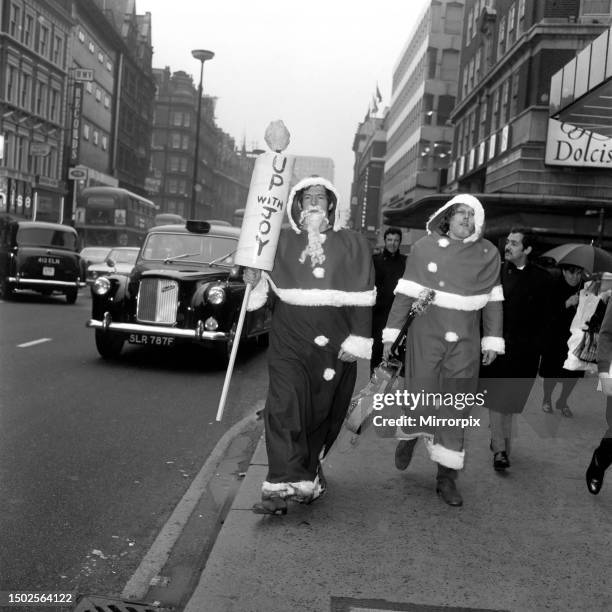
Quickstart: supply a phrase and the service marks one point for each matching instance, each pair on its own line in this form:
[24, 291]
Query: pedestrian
[565, 289]
[389, 267]
[602, 456]
[509, 379]
[323, 285]
[444, 344]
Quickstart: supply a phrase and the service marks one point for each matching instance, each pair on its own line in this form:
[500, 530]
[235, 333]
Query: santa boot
[445, 486]
[602, 458]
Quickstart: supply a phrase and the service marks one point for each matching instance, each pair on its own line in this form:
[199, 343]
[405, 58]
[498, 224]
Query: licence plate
[150, 340]
[48, 271]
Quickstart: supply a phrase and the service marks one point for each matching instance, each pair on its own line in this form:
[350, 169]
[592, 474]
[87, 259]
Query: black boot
[403, 453]
[445, 486]
[602, 458]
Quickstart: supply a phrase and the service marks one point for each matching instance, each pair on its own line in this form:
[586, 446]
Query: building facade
[369, 147]
[223, 175]
[424, 89]
[34, 60]
[511, 49]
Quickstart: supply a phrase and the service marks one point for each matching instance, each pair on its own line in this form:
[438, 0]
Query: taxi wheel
[71, 296]
[6, 291]
[109, 346]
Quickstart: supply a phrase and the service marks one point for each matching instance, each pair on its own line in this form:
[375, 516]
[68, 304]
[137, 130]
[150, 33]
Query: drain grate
[95, 603]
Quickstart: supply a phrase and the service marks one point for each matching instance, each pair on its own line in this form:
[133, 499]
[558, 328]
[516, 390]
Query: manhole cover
[95, 603]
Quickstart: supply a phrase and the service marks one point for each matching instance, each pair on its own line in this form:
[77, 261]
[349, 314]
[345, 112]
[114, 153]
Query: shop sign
[569, 145]
[75, 128]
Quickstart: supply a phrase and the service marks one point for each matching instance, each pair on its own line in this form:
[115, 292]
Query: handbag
[587, 348]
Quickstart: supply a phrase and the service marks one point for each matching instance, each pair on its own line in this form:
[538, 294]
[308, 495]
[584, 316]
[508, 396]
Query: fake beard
[311, 222]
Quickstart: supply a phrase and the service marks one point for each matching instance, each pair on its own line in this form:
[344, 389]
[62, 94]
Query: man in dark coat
[389, 267]
[509, 379]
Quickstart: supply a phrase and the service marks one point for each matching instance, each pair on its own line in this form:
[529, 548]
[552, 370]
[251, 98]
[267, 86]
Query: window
[501, 39]
[176, 140]
[53, 106]
[172, 186]
[445, 106]
[471, 74]
[101, 58]
[57, 50]
[495, 110]
[95, 137]
[514, 96]
[174, 164]
[107, 101]
[185, 141]
[89, 87]
[177, 118]
[477, 60]
[43, 41]
[432, 58]
[24, 97]
[449, 65]
[27, 30]
[41, 94]
[505, 100]
[428, 100]
[470, 20]
[11, 84]
[81, 36]
[91, 47]
[85, 131]
[187, 119]
[98, 94]
[183, 164]
[109, 66]
[14, 21]
[104, 143]
[596, 7]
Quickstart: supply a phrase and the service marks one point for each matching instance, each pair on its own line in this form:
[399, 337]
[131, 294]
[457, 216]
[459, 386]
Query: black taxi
[184, 288]
[39, 256]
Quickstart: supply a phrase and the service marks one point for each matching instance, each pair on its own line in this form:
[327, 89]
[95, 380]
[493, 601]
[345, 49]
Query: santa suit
[444, 344]
[320, 306]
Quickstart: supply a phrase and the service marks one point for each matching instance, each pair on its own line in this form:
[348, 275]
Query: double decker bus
[112, 216]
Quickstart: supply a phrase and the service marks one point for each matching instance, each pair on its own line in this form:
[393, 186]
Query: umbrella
[587, 256]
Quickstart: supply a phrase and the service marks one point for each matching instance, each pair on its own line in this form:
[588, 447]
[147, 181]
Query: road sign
[77, 173]
[83, 74]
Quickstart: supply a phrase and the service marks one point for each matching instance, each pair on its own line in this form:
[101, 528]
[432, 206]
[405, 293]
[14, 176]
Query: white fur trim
[432, 266]
[389, 334]
[493, 343]
[318, 272]
[445, 456]
[259, 294]
[326, 297]
[358, 346]
[444, 299]
[339, 221]
[329, 373]
[474, 204]
[303, 489]
[451, 336]
[321, 340]
[497, 294]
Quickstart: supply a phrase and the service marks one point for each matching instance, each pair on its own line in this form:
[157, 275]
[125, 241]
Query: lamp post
[202, 55]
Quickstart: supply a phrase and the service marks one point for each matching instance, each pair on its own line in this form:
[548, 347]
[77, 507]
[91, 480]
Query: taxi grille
[157, 301]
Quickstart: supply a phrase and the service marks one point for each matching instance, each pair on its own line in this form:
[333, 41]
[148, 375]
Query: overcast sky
[314, 64]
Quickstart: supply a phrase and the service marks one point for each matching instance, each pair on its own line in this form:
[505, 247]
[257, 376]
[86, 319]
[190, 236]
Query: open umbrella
[587, 256]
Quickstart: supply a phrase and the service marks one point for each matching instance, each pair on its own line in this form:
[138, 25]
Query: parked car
[39, 256]
[184, 288]
[94, 254]
[119, 260]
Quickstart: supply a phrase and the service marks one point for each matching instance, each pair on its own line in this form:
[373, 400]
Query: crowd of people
[489, 325]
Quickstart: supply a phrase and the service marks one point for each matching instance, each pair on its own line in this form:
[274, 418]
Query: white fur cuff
[445, 456]
[259, 294]
[493, 343]
[358, 346]
[389, 334]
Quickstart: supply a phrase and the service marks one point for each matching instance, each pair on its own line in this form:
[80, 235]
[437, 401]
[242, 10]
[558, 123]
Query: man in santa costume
[444, 345]
[323, 286]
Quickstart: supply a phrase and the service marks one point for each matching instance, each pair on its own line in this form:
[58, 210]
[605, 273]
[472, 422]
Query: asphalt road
[95, 455]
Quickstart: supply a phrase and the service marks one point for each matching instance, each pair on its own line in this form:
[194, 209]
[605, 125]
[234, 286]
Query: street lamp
[202, 55]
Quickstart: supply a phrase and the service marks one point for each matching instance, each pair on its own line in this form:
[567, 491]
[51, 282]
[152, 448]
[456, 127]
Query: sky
[314, 64]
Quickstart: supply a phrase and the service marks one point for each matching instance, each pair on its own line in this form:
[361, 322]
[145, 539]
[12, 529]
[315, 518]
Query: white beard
[311, 221]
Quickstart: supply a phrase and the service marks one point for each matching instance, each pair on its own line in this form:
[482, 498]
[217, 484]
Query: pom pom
[451, 336]
[318, 272]
[432, 266]
[321, 340]
[329, 373]
[443, 242]
[277, 136]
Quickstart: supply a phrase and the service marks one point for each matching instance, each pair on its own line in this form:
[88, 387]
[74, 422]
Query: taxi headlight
[101, 286]
[216, 295]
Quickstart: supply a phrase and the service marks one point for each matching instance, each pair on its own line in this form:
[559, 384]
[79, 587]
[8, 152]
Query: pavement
[531, 538]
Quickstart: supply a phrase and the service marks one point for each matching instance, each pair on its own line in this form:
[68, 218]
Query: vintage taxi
[39, 256]
[184, 288]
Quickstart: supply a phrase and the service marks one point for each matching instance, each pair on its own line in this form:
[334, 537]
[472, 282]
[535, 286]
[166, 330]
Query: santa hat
[335, 217]
[461, 198]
